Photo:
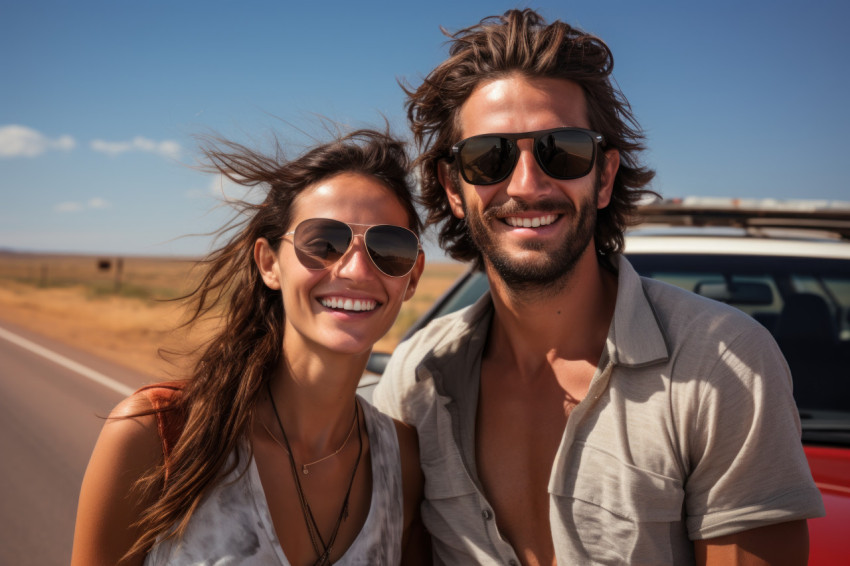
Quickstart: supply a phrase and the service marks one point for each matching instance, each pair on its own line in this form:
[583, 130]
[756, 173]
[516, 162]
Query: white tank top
[233, 525]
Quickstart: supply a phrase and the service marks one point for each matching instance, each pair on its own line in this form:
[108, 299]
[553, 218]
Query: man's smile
[530, 221]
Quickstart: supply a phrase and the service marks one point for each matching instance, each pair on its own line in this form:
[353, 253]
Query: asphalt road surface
[52, 400]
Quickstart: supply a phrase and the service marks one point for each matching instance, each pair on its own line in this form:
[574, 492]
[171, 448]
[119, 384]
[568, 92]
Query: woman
[265, 455]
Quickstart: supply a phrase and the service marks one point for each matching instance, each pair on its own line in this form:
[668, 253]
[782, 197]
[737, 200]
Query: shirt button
[487, 514]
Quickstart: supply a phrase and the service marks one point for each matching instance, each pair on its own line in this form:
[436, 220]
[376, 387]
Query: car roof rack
[823, 216]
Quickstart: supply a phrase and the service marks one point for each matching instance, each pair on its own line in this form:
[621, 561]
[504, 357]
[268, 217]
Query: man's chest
[519, 428]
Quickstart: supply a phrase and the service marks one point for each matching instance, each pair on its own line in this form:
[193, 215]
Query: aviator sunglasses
[321, 242]
[562, 153]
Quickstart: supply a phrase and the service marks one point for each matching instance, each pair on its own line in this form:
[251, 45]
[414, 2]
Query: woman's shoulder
[405, 435]
[127, 450]
[146, 422]
[407, 438]
[408, 446]
[132, 425]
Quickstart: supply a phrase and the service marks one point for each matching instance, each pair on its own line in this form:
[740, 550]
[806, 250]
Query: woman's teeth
[348, 304]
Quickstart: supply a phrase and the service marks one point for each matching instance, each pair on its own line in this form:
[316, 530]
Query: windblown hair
[232, 369]
[522, 43]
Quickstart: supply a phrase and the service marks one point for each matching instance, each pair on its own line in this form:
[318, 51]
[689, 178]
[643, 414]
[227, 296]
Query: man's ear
[447, 179]
[607, 176]
[266, 260]
[415, 274]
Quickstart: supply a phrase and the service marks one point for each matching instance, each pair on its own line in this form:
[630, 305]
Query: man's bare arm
[782, 543]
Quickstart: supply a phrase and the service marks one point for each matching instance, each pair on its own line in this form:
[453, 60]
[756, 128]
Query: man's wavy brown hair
[232, 369]
[521, 42]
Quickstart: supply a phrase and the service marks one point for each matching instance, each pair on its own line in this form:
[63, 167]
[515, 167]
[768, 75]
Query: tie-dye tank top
[233, 524]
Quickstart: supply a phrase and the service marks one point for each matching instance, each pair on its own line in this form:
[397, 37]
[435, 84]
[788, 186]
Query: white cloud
[167, 148]
[21, 141]
[95, 203]
[98, 202]
[222, 187]
[68, 207]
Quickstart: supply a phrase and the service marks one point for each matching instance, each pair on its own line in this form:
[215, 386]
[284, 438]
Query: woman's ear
[266, 260]
[415, 274]
[447, 179]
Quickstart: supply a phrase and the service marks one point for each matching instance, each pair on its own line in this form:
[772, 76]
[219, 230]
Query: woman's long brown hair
[229, 376]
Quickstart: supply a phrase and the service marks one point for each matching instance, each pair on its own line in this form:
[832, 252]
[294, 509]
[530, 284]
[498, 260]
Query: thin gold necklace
[304, 467]
[322, 549]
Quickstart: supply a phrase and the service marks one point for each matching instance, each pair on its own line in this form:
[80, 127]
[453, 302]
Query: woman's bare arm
[127, 448]
[416, 544]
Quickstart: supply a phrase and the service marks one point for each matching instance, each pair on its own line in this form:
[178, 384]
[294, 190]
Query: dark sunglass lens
[565, 154]
[392, 248]
[486, 160]
[320, 242]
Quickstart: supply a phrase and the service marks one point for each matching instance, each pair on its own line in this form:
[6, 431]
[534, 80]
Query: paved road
[52, 398]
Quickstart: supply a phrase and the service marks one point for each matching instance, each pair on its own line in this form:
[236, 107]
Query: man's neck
[570, 321]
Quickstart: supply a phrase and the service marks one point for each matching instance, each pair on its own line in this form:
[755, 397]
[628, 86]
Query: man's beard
[551, 270]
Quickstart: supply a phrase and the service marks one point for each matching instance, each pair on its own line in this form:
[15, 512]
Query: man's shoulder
[677, 306]
[700, 331]
[443, 332]
[442, 342]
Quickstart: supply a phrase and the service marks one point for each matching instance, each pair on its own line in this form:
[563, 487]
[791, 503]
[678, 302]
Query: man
[579, 414]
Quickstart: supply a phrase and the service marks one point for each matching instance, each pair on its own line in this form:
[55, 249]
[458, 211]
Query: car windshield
[804, 302]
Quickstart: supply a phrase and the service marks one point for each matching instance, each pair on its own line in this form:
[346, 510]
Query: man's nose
[528, 182]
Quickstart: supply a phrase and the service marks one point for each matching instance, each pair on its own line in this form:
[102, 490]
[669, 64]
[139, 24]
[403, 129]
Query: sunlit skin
[545, 342]
[530, 378]
[519, 105]
[355, 199]
[325, 351]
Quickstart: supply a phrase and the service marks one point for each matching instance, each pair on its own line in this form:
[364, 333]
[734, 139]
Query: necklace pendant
[305, 470]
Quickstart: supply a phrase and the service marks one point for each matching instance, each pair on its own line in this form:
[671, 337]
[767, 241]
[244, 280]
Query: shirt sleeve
[387, 395]
[748, 467]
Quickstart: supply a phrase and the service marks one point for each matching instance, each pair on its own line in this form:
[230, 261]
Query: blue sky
[101, 101]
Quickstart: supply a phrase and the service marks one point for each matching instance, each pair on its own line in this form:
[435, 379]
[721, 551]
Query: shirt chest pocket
[617, 511]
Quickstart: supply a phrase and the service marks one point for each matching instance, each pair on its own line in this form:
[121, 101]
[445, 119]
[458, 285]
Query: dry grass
[122, 317]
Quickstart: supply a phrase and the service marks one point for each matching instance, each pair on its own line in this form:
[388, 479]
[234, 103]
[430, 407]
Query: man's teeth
[348, 304]
[518, 222]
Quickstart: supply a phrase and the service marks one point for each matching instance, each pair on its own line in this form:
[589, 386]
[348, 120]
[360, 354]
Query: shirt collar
[636, 337]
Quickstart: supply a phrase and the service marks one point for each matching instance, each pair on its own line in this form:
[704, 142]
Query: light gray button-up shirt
[689, 431]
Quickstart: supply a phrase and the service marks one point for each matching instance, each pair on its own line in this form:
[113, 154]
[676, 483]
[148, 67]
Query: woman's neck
[314, 396]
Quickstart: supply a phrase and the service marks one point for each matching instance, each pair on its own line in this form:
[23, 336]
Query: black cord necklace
[323, 551]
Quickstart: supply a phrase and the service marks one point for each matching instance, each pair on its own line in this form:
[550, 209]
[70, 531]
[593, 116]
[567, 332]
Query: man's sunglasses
[562, 153]
[321, 242]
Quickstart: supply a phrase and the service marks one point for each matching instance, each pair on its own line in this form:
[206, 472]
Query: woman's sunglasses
[562, 153]
[321, 242]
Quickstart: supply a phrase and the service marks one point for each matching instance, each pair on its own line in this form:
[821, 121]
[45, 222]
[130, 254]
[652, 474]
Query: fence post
[119, 267]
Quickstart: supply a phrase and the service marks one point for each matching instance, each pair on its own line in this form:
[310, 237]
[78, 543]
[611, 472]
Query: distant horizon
[434, 254]
[104, 101]
[5, 251]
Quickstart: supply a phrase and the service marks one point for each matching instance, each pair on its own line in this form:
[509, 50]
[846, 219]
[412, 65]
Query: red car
[788, 266]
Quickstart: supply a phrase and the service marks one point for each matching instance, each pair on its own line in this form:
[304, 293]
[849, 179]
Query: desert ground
[124, 309]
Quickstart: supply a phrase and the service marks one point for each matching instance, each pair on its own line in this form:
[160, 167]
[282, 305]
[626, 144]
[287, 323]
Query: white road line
[67, 363]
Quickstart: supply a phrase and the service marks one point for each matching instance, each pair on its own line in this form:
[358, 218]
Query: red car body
[829, 537]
